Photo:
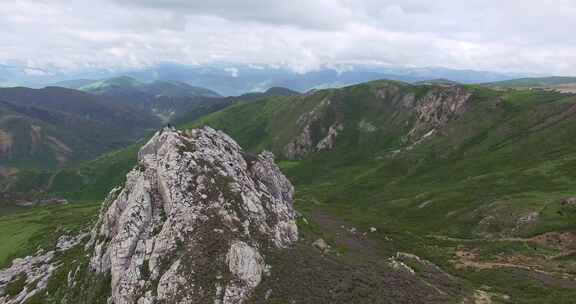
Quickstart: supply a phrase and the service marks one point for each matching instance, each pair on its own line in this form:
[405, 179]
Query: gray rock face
[321, 245]
[32, 273]
[300, 146]
[569, 202]
[366, 126]
[393, 93]
[328, 142]
[193, 222]
[436, 108]
[426, 115]
[304, 144]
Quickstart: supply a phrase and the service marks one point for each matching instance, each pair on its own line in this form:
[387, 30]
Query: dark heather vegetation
[483, 197]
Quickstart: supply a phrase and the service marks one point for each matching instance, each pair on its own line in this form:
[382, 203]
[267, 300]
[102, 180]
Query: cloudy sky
[512, 35]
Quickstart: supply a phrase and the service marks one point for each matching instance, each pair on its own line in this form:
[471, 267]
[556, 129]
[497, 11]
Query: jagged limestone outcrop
[26, 277]
[304, 143]
[30, 275]
[193, 222]
[436, 108]
[415, 117]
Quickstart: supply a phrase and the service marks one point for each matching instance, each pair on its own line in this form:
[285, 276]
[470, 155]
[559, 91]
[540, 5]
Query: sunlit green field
[25, 230]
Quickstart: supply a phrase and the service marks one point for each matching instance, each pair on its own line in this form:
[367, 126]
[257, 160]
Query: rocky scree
[29, 276]
[194, 222]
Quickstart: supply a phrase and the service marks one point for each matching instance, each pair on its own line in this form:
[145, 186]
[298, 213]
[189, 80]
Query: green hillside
[55, 127]
[503, 150]
[167, 100]
[491, 179]
[102, 85]
[473, 179]
[533, 82]
[127, 85]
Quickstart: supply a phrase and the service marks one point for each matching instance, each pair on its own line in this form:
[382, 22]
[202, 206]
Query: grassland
[512, 155]
[24, 231]
[509, 157]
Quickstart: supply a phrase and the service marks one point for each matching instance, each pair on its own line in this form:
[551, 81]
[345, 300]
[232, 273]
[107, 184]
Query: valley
[58, 127]
[53, 127]
[475, 181]
[287, 152]
[492, 173]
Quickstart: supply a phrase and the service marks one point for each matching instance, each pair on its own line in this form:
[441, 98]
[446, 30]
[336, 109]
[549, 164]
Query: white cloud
[233, 72]
[522, 36]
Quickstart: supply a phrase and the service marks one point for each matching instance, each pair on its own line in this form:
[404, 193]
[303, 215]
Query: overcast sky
[499, 35]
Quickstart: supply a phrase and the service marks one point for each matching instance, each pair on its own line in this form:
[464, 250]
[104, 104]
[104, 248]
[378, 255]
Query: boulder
[321, 245]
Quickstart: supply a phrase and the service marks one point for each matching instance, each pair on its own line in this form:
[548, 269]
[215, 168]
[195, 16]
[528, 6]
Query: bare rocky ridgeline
[193, 222]
[431, 113]
[435, 109]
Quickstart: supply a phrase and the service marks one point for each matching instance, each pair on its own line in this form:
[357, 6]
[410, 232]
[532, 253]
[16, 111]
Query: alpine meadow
[287, 152]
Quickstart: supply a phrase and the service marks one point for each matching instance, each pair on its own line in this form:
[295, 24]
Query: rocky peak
[194, 221]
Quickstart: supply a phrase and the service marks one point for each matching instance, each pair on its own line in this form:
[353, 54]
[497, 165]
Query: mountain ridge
[198, 220]
[258, 77]
[447, 173]
[167, 88]
[167, 100]
[53, 127]
[534, 82]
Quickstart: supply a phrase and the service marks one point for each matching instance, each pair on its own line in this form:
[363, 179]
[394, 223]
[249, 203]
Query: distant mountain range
[56, 126]
[165, 99]
[237, 79]
[79, 119]
[169, 100]
[562, 84]
[52, 127]
[534, 82]
[475, 182]
[435, 192]
[156, 88]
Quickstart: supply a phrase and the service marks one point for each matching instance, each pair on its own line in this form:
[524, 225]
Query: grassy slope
[159, 87]
[55, 127]
[23, 232]
[494, 152]
[495, 160]
[511, 155]
[533, 82]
